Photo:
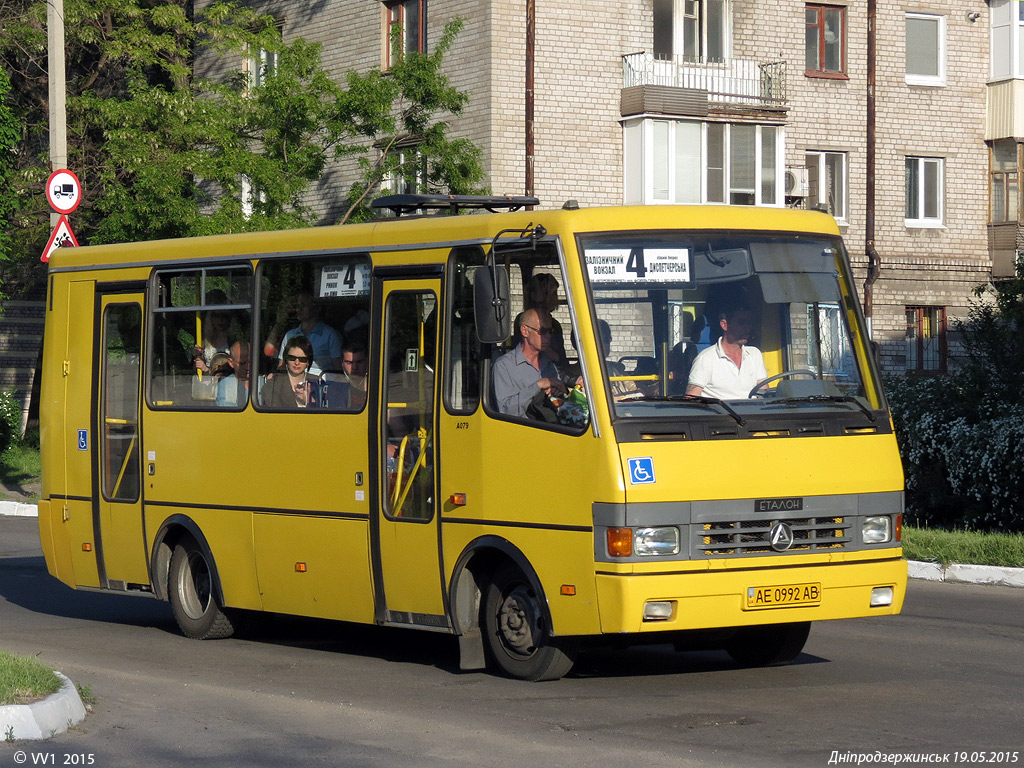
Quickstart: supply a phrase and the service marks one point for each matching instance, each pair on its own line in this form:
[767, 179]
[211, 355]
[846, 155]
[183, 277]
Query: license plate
[783, 595]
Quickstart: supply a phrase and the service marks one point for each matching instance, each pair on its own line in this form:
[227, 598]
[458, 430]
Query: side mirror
[491, 304]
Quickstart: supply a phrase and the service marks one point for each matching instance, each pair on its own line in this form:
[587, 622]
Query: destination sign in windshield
[638, 265]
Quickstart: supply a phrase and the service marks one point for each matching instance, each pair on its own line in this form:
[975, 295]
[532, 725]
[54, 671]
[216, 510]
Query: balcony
[671, 84]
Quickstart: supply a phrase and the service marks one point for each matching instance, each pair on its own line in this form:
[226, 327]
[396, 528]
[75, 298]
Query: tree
[167, 133]
[395, 111]
[10, 133]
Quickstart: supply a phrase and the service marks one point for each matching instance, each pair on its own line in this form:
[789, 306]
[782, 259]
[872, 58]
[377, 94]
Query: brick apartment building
[747, 102]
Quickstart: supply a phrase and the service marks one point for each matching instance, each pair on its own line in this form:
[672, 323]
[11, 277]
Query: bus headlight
[656, 541]
[876, 530]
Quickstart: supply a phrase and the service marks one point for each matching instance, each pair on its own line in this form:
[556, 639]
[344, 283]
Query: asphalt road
[943, 678]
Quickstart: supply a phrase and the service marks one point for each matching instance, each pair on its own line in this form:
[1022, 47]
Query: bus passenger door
[406, 547]
[117, 448]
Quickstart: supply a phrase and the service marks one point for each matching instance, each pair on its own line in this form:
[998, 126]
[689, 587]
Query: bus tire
[518, 630]
[193, 595]
[768, 645]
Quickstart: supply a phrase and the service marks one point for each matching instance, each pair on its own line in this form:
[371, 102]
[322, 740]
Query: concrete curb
[46, 718]
[965, 574]
[18, 509]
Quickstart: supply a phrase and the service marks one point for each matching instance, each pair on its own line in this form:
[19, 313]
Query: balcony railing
[729, 81]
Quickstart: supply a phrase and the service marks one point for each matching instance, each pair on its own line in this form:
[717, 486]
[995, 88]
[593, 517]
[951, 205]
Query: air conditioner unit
[797, 182]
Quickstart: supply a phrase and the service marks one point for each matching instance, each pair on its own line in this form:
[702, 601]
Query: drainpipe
[531, 35]
[874, 261]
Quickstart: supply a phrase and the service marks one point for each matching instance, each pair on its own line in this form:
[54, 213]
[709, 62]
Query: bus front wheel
[768, 645]
[518, 630]
[193, 597]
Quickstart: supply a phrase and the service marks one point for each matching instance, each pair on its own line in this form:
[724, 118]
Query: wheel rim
[519, 622]
[194, 586]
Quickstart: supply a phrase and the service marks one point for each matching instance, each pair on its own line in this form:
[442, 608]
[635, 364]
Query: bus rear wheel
[768, 645]
[193, 597]
[518, 630]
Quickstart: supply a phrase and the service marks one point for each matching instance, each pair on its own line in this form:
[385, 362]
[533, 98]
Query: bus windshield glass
[741, 324]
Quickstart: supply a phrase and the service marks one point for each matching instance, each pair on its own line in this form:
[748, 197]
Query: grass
[970, 547]
[23, 680]
[19, 466]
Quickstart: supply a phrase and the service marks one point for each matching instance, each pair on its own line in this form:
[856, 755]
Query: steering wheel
[756, 391]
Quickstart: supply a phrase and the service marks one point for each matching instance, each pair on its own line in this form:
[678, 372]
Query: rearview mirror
[491, 303]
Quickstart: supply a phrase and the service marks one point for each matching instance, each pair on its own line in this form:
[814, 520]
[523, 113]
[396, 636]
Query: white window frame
[938, 79]
[693, 15]
[250, 193]
[641, 167]
[1006, 30]
[824, 191]
[921, 220]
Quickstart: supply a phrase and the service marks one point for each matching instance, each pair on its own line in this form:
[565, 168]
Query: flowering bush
[10, 420]
[963, 456]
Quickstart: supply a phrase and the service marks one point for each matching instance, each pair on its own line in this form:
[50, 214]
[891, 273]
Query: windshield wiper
[701, 399]
[828, 399]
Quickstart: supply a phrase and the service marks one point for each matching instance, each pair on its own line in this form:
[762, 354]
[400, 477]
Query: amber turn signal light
[620, 542]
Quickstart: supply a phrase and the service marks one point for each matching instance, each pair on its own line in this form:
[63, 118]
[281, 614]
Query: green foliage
[166, 132]
[397, 114]
[962, 436]
[10, 133]
[10, 420]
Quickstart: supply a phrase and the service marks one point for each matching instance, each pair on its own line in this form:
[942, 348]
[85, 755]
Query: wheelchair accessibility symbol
[83, 439]
[641, 471]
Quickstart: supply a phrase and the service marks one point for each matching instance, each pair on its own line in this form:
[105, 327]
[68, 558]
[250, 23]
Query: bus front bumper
[662, 602]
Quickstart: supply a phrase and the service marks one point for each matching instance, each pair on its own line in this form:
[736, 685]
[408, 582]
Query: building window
[827, 182]
[1004, 176]
[1007, 23]
[408, 21]
[926, 49]
[254, 198]
[684, 161]
[407, 171]
[924, 192]
[825, 40]
[694, 30]
[926, 339]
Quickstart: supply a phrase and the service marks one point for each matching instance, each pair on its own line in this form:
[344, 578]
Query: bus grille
[751, 537]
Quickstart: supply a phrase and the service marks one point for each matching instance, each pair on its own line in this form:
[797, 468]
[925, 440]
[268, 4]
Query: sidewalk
[962, 574]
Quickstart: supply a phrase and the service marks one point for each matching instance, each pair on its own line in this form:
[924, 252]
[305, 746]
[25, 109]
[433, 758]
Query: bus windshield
[744, 324]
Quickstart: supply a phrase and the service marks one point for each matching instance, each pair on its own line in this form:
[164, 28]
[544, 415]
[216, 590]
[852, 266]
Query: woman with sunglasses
[295, 387]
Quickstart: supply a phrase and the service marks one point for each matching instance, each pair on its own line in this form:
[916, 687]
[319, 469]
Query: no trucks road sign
[63, 191]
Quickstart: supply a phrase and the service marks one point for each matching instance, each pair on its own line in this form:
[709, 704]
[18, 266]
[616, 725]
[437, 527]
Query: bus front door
[117, 448]
[407, 560]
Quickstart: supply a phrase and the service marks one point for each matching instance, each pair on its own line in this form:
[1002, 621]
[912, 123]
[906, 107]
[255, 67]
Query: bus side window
[327, 300]
[198, 316]
[462, 375]
[536, 283]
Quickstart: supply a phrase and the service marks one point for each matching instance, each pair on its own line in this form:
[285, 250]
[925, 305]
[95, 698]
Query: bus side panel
[66, 435]
[230, 470]
[537, 493]
[228, 534]
[314, 566]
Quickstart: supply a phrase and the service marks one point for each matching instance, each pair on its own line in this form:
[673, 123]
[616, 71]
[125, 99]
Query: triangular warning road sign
[62, 237]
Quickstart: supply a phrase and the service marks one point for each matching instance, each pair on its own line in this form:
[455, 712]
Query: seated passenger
[325, 340]
[730, 368]
[233, 390]
[520, 374]
[347, 390]
[295, 388]
[542, 293]
[623, 387]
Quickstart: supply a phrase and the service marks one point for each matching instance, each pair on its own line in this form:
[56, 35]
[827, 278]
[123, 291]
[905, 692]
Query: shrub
[10, 420]
[963, 457]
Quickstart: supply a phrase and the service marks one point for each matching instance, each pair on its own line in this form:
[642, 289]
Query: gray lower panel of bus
[750, 527]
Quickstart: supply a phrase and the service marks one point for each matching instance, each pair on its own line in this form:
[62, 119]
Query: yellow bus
[192, 451]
